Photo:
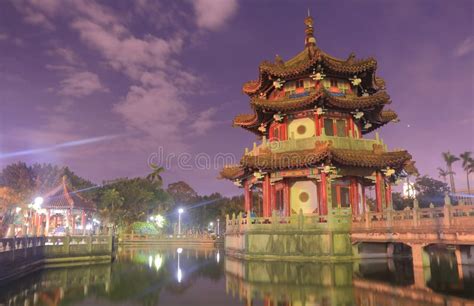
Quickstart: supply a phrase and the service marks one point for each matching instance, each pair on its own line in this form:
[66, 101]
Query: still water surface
[205, 276]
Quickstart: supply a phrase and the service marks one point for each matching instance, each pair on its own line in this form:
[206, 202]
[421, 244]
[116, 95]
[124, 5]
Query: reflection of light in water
[150, 261]
[179, 275]
[158, 261]
[218, 257]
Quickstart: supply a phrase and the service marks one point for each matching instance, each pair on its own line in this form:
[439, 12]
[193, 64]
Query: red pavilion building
[313, 113]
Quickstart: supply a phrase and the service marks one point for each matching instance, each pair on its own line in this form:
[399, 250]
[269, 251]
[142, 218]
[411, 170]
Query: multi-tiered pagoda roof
[363, 98]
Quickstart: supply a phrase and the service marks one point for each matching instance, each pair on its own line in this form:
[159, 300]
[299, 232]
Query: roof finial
[309, 31]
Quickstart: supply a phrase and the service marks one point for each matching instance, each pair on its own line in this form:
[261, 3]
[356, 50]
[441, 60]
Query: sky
[105, 87]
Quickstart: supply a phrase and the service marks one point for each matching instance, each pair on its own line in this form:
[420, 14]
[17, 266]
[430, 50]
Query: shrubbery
[144, 228]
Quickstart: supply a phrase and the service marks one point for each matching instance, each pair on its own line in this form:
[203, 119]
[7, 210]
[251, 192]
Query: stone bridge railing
[339, 219]
[460, 217]
[18, 256]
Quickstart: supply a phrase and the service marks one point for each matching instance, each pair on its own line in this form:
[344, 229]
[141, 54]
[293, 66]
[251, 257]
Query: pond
[172, 276]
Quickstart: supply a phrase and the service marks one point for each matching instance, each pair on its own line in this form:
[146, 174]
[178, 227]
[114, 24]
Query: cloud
[465, 47]
[3, 36]
[204, 121]
[212, 14]
[66, 54]
[156, 102]
[80, 84]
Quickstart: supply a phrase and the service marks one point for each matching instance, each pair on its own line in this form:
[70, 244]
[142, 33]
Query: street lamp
[180, 211]
[218, 227]
[38, 202]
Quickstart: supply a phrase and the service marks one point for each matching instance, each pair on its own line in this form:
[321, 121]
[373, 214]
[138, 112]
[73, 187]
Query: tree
[111, 207]
[443, 174]
[430, 191]
[155, 175]
[140, 199]
[468, 166]
[399, 202]
[182, 193]
[20, 178]
[450, 159]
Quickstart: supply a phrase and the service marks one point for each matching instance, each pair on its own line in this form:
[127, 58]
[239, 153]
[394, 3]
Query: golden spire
[309, 31]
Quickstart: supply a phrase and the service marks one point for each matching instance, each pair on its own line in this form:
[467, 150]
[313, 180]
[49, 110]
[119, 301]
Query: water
[204, 276]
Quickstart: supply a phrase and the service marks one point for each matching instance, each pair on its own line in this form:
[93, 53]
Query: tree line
[120, 202]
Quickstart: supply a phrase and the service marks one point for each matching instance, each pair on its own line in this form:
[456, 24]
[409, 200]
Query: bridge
[371, 234]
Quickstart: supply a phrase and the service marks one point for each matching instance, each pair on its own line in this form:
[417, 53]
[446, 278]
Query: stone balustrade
[19, 256]
[290, 145]
[459, 217]
[339, 219]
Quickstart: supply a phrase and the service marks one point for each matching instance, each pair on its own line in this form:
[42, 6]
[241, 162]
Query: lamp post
[180, 211]
[218, 225]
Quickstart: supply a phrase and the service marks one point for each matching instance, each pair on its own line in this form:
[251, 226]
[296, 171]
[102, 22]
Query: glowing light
[88, 226]
[38, 201]
[179, 250]
[18, 209]
[180, 211]
[179, 275]
[409, 190]
[160, 221]
[218, 257]
[158, 261]
[211, 224]
[150, 261]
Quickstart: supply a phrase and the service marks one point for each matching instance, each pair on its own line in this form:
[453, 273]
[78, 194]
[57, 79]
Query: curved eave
[348, 66]
[232, 172]
[379, 98]
[348, 103]
[384, 117]
[308, 158]
[245, 120]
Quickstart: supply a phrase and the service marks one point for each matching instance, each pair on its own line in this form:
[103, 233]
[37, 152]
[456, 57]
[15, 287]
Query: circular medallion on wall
[301, 129]
[304, 196]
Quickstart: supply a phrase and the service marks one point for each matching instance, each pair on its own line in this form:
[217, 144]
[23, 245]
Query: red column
[284, 130]
[317, 125]
[272, 197]
[324, 200]
[351, 127]
[354, 197]
[364, 208]
[267, 196]
[378, 191]
[286, 196]
[83, 221]
[247, 197]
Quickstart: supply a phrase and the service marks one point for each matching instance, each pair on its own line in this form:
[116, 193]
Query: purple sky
[141, 75]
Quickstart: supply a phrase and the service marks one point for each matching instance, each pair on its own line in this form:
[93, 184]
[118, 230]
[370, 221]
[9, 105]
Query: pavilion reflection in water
[51, 286]
[367, 283]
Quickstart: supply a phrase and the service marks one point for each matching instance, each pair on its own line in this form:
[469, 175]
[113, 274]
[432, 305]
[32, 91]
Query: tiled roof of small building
[64, 197]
